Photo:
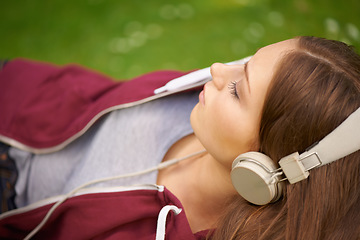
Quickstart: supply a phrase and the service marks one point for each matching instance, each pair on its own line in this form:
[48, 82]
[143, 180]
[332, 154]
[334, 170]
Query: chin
[193, 116]
[195, 122]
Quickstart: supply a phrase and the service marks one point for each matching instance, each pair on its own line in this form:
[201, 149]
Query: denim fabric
[3, 63]
[8, 177]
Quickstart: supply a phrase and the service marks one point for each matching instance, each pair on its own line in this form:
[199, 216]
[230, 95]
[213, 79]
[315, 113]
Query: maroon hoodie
[45, 107]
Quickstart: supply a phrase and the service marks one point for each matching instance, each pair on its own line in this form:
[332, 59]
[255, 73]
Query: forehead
[265, 59]
[262, 66]
[276, 50]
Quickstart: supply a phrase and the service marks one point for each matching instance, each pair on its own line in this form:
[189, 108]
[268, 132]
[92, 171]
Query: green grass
[126, 38]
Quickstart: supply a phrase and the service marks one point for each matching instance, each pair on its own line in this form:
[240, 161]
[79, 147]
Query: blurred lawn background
[125, 38]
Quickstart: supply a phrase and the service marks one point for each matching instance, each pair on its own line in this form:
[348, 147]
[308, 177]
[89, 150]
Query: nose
[223, 74]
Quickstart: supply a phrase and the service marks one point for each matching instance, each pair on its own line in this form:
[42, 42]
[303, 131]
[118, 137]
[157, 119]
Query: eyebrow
[247, 75]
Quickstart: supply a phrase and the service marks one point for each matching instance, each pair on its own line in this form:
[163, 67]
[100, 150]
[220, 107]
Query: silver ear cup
[254, 177]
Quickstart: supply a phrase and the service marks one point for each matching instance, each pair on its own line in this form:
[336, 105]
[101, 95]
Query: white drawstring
[70, 194]
[161, 222]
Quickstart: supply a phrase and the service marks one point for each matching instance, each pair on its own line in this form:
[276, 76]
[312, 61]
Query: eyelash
[232, 88]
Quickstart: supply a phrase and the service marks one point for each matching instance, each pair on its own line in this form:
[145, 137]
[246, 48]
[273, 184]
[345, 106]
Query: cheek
[226, 127]
[236, 129]
[223, 129]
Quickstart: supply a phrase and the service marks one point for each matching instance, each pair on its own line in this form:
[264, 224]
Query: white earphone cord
[160, 166]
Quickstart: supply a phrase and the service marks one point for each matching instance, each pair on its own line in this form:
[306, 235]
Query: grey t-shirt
[124, 141]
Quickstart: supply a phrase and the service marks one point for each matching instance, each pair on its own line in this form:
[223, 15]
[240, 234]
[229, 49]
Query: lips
[202, 96]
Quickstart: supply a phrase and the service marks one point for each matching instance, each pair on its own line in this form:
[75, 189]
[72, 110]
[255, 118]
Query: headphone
[259, 181]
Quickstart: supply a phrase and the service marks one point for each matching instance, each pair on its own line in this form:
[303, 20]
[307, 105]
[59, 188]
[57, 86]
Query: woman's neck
[201, 183]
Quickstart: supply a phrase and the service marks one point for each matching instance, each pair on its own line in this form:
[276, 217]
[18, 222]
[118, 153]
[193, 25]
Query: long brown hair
[314, 88]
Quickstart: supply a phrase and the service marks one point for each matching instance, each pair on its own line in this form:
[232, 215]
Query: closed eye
[232, 89]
